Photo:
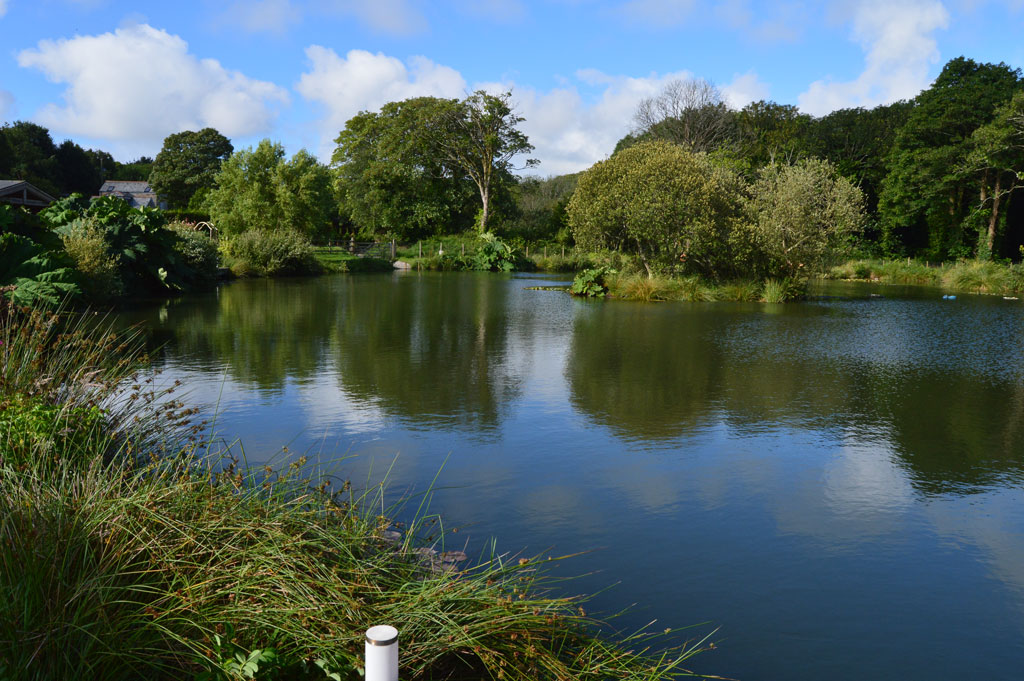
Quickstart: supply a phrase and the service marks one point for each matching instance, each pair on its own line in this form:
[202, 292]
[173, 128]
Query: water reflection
[820, 479]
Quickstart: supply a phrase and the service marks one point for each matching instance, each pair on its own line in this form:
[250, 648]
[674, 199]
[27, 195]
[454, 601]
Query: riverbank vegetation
[696, 188]
[134, 547]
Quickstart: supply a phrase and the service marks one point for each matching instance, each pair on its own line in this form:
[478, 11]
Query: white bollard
[382, 653]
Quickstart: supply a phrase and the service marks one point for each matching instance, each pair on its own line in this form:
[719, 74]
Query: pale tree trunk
[485, 200]
[990, 239]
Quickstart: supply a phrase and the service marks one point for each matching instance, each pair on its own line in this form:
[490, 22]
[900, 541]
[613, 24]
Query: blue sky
[121, 76]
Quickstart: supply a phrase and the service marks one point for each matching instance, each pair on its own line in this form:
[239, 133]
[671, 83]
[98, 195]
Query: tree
[772, 133]
[391, 177]
[76, 170]
[669, 206]
[925, 196]
[258, 189]
[138, 170]
[997, 156]
[802, 214]
[187, 163]
[691, 113]
[479, 136]
[33, 155]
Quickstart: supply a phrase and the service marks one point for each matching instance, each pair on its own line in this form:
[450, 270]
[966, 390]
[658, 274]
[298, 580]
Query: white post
[382, 653]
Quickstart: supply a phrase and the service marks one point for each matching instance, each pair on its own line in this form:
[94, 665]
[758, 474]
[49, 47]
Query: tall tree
[772, 133]
[76, 170]
[480, 136]
[997, 159]
[33, 155]
[925, 197]
[391, 177]
[187, 164]
[691, 113]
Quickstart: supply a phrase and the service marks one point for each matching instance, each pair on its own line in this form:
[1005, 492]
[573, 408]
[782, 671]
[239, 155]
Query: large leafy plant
[38, 275]
[494, 255]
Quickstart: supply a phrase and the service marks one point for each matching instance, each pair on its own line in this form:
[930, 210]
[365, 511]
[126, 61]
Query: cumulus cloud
[363, 81]
[744, 89]
[659, 13]
[138, 84]
[899, 48]
[270, 16]
[571, 126]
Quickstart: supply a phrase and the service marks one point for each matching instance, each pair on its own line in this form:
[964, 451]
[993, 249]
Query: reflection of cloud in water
[865, 480]
[327, 408]
[992, 522]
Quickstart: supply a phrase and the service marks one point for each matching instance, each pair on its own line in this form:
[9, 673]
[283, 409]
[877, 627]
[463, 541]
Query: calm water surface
[835, 485]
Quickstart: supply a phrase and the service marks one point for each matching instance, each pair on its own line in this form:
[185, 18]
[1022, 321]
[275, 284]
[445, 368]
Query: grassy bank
[967, 275]
[131, 547]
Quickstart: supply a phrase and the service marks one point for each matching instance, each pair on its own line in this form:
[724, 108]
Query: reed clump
[133, 549]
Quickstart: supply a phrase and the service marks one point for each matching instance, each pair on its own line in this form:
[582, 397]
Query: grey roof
[129, 186]
[9, 188]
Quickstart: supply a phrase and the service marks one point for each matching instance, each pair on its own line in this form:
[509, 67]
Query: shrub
[494, 255]
[85, 243]
[196, 249]
[781, 290]
[35, 276]
[270, 253]
[979, 277]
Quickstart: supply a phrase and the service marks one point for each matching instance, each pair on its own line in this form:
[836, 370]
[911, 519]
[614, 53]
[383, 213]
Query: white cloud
[571, 134]
[387, 16]
[6, 105]
[571, 126]
[3, 7]
[659, 13]
[362, 81]
[270, 16]
[900, 47]
[138, 84]
[744, 89]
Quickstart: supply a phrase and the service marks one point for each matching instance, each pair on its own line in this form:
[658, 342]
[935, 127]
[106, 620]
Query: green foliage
[391, 178]
[590, 283]
[925, 198]
[781, 290]
[187, 163]
[85, 243]
[270, 253]
[540, 207]
[39, 277]
[804, 214]
[480, 137]
[32, 427]
[196, 249]
[494, 255]
[258, 189]
[670, 207]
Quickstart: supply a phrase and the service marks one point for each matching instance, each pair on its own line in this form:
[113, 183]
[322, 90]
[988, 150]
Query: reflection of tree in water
[648, 374]
[430, 347]
[657, 373]
[265, 332]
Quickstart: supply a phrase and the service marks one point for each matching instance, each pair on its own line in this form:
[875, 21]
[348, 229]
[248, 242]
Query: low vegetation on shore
[966, 275]
[133, 547]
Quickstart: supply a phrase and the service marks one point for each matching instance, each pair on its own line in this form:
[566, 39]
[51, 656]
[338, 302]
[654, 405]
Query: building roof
[129, 186]
[22, 193]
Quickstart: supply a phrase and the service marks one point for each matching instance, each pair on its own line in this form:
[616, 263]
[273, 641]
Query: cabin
[22, 193]
[137, 193]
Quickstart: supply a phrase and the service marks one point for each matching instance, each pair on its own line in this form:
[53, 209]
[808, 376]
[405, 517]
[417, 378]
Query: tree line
[940, 174]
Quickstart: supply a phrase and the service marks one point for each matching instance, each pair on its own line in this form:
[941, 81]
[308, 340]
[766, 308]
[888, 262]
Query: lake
[834, 485]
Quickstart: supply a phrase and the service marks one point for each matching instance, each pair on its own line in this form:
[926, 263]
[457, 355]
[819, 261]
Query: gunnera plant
[85, 242]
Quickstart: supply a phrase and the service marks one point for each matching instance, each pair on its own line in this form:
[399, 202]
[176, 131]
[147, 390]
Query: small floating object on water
[877, 295]
[1010, 298]
[948, 297]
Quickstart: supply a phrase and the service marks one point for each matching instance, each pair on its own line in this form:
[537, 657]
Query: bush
[269, 253]
[196, 249]
[85, 243]
[494, 255]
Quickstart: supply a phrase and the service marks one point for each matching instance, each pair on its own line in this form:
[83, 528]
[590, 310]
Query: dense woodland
[941, 175]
